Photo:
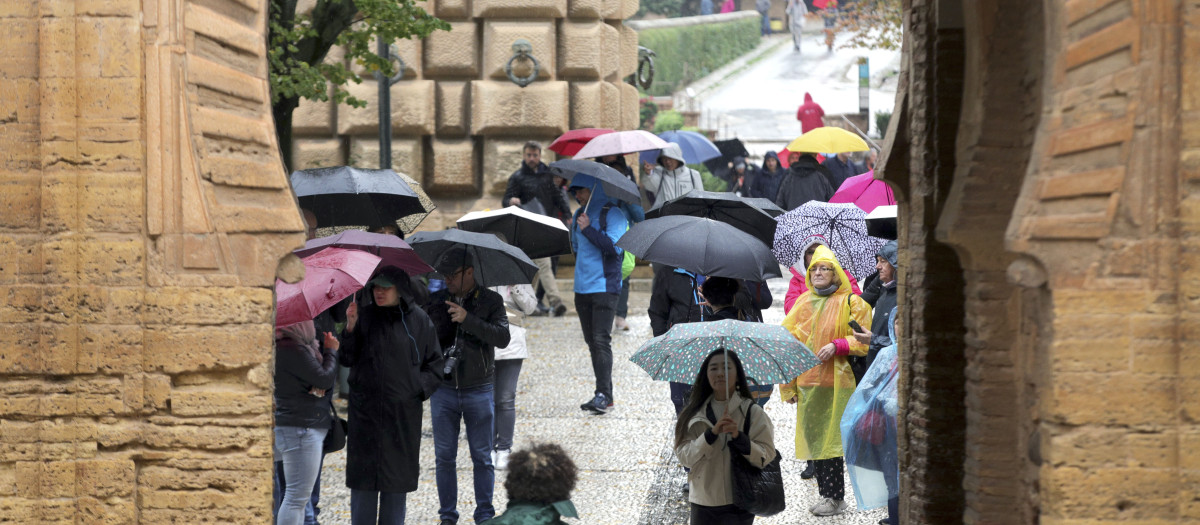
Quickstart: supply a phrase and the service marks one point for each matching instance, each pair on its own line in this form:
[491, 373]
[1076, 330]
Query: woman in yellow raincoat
[819, 319]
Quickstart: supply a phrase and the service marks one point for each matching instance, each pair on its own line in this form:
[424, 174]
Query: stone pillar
[145, 210]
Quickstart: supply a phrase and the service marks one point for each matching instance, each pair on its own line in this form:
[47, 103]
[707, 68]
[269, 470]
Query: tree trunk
[282, 112]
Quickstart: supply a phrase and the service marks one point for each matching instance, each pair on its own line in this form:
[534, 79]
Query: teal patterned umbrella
[770, 354]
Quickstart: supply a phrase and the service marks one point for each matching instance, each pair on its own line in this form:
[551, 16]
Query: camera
[451, 356]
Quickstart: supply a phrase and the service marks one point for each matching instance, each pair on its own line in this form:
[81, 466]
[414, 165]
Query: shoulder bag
[758, 491]
[335, 439]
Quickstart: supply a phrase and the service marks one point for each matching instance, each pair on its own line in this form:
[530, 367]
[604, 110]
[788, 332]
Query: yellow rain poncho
[824, 391]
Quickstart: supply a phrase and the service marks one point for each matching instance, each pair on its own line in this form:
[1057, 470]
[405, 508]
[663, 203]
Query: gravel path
[627, 472]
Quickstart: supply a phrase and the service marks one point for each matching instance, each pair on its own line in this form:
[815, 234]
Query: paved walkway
[627, 472]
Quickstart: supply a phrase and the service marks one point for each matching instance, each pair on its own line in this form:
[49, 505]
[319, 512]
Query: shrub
[711, 182]
[882, 118]
[648, 113]
[685, 54]
[669, 120]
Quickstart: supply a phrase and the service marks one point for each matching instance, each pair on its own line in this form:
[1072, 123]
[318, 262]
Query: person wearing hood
[672, 178]
[796, 286]
[820, 320]
[840, 168]
[810, 115]
[886, 262]
[595, 228]
[807, 180]
[767, 180]
[395, 361]
[742, 177]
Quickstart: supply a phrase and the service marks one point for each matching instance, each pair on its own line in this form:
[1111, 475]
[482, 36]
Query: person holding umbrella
[395, 364]
[595, 228]
[636, 214]
[672, 178]
[821, 320]
[532, 188]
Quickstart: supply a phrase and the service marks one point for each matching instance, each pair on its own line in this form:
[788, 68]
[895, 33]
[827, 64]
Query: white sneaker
[828, 507]
[500, 459]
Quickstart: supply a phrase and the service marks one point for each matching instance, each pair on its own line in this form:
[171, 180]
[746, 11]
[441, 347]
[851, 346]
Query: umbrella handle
[329, 291]
[589, 202]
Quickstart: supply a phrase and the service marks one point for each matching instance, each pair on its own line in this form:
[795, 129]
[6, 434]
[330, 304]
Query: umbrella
[843, 225]
[616, 184]
[496, 263]
[828, 139]
[569, 143]
[537, 235]
[785, 153]
[620, 143]
[720, 166]
[881, 222]
[769, 352]
[408, 223]
[765, 205]
[330, 275]
[865, 192]
[346, 195]
[393, 250]
[696, 148]
[724, 207]
[701, 246]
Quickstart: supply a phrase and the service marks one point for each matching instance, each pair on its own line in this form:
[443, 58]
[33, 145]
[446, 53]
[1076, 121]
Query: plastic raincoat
[823, 391]
[869, 431]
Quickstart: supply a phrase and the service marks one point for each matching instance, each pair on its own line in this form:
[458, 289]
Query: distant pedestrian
[706, 7]
[519, 301]
[806, 181]
[840, 168]
[539, 484]
[868, 162]
[532, 188]
[767, 180]
[796, 10]
[709, 431]
[830, 15]
[810, 114]
[764, 7]
[727, 7]
[672, 178]
[742, 177]
[395, 365]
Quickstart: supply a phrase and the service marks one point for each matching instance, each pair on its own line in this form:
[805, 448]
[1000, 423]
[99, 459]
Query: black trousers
[723, 515]
[596, 311]
[831, 481]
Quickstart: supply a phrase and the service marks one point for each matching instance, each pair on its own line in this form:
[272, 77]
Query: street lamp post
[389, 53]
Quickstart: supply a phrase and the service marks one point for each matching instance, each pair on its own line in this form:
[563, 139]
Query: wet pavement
[628, 474]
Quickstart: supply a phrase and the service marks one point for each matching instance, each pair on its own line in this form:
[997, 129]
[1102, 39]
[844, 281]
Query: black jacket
[296, 372]
[838, 171]
[806, 181]
[477, 337]
[880, 322]
[529, 185]
[395, 365]
[752, 298]
[766, 183]
[672, 300]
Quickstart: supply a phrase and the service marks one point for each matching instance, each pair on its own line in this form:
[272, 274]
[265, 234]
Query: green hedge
[685, 54]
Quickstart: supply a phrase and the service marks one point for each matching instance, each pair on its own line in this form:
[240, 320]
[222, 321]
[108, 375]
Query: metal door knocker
[521, 49]
[645, 58]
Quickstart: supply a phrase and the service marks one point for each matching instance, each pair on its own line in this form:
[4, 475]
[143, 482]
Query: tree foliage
[873, 24]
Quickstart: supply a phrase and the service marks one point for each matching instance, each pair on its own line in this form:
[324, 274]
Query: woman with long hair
[709, 429]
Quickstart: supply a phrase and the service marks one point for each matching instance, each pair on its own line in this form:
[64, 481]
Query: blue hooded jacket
[597, 258]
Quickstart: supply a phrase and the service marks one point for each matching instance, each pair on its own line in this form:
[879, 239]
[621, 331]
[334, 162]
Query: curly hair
[543, 473]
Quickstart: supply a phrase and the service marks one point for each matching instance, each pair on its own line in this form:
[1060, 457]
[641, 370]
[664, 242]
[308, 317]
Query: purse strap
[746, 422]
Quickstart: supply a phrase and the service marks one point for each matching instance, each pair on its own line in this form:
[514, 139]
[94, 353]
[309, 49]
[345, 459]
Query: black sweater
[296, 373]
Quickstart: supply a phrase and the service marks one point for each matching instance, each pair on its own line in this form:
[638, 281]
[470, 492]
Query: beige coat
[709, 477]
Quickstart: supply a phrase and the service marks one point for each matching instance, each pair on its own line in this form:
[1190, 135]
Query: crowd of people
[443, 339]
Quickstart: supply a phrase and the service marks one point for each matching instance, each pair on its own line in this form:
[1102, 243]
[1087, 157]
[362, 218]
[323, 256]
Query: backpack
[630, 261]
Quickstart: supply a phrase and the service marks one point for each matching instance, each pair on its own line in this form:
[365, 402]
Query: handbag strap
[746, 422]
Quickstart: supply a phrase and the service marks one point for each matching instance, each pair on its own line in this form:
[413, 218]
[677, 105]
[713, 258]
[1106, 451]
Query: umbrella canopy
[616, 184]
[828, 139]
[724, 207]
[765, 205]
[769, 352]
[496, 263]
[696, 148]
[345, 195]
[330, 275]
[569, 143]
[408, 223]
[536, 235]
[720, 166]
[701, 246]
[865, 192]
[785, 153]
[620, 143]
[843, 225]
[881, 223]
[393, 250]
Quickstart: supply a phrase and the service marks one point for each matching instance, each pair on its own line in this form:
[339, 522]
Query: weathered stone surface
[408, 156]
[453, 101]
[628, 52]
[413, 109]
[579, 10]
[630, 102]
[580, 50]
[317, 153]
[453, 53]
[450, 9]
[520, 9]
[453, 169]
[498, 38]
[313, 117]
[502, 107]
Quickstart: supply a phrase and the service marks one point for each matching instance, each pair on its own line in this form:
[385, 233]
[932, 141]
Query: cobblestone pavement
[628, 474]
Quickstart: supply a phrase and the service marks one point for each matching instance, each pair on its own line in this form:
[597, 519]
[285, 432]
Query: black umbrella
[616, 184]
[496, 263]
[345, 195]
[724, 207]
[720, 166]
[702, 246]
[536, 235]
[765, 205]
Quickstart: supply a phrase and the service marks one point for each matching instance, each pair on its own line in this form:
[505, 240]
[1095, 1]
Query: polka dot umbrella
[769, 353]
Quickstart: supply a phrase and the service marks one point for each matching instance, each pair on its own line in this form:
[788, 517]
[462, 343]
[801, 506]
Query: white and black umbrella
[843, 226]
[536, 235]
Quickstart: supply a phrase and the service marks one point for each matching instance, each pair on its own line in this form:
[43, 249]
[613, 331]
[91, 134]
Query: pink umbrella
[620, 143]
[330, 275]
[865, 192]
[394, 250]
[569, 143]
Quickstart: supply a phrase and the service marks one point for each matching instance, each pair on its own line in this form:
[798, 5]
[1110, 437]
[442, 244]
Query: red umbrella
[783, 157]
[330, 275]
[820, 4]
[572, 141]
[865, 192]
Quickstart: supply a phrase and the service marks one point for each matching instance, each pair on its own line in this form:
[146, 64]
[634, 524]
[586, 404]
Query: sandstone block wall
[458, 122]
[143, 211]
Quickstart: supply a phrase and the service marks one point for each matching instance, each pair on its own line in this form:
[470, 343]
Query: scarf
[304, 334]
[825, 292]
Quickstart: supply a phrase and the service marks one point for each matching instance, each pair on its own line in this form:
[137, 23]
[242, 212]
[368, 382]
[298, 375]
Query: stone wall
[458, 123]
[143, 212]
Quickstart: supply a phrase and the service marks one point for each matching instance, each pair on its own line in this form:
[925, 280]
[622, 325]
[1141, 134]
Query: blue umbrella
[696, 148]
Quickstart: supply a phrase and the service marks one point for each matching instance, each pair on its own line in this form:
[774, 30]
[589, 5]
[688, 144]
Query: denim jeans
[596, 312]
[507, 371]
[312, 509]
[766, 25]
[364, 504]
[476, 407]
[299, 449]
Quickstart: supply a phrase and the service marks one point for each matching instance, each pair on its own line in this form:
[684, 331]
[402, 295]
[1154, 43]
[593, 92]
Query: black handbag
[758, 491]
[335, 439]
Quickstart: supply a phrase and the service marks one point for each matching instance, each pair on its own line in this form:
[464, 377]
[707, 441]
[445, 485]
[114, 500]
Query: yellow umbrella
[828, 139]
